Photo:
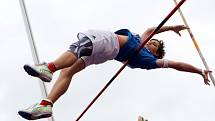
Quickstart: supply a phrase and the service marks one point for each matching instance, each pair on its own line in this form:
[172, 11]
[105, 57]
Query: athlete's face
[152, 45]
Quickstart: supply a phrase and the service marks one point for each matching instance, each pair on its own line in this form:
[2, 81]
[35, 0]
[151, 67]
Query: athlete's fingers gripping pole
[195, 44]
[137, 51]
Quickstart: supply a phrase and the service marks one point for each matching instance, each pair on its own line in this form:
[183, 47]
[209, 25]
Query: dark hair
[161, 52]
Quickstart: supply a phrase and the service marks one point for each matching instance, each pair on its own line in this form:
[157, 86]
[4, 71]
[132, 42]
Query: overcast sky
[158, 95]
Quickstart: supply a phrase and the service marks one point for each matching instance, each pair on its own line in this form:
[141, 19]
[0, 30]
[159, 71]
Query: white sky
[158, 95]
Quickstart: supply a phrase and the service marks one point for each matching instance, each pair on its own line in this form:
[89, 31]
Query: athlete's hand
[205, 76]
[178, 28]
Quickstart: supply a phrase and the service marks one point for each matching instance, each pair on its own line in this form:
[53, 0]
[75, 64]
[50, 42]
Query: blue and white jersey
[144, 59]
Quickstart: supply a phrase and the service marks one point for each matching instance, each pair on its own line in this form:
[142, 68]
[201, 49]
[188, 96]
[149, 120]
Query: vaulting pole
[33, 47]
[195, 44]
[137, 51]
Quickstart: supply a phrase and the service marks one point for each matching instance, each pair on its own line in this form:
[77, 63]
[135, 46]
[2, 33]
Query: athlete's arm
[181, 66]
[176, 29]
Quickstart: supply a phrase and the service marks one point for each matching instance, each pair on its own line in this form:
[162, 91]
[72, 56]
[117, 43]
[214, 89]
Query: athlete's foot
[41, 71]
[36, 111]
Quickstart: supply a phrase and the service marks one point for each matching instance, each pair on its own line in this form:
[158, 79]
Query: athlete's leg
[45, 71]
[63, 81]
[44, 108]
[65, 60]
[78, 49]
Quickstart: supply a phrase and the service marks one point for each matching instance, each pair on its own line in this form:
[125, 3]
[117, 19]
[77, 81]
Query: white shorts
[105, 46]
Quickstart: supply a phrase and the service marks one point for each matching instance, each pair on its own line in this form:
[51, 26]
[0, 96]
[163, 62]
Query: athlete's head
[156, 47]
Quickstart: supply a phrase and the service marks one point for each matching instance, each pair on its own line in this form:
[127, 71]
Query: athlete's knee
[83, 47]
[72, 70]
[66, 73]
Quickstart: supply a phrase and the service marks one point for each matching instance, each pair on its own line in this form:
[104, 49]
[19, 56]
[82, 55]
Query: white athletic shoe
[40, 70]
[36, 111]
[140, 118]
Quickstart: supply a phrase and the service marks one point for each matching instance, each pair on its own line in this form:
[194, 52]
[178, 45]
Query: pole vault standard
[195, 44]
[137, 51]
[33, 47]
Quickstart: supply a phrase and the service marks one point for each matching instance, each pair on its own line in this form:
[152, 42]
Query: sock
[46, 102]
[51, 67]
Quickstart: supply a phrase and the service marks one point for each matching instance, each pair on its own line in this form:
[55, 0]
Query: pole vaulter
[195, 44]
[137, 51]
